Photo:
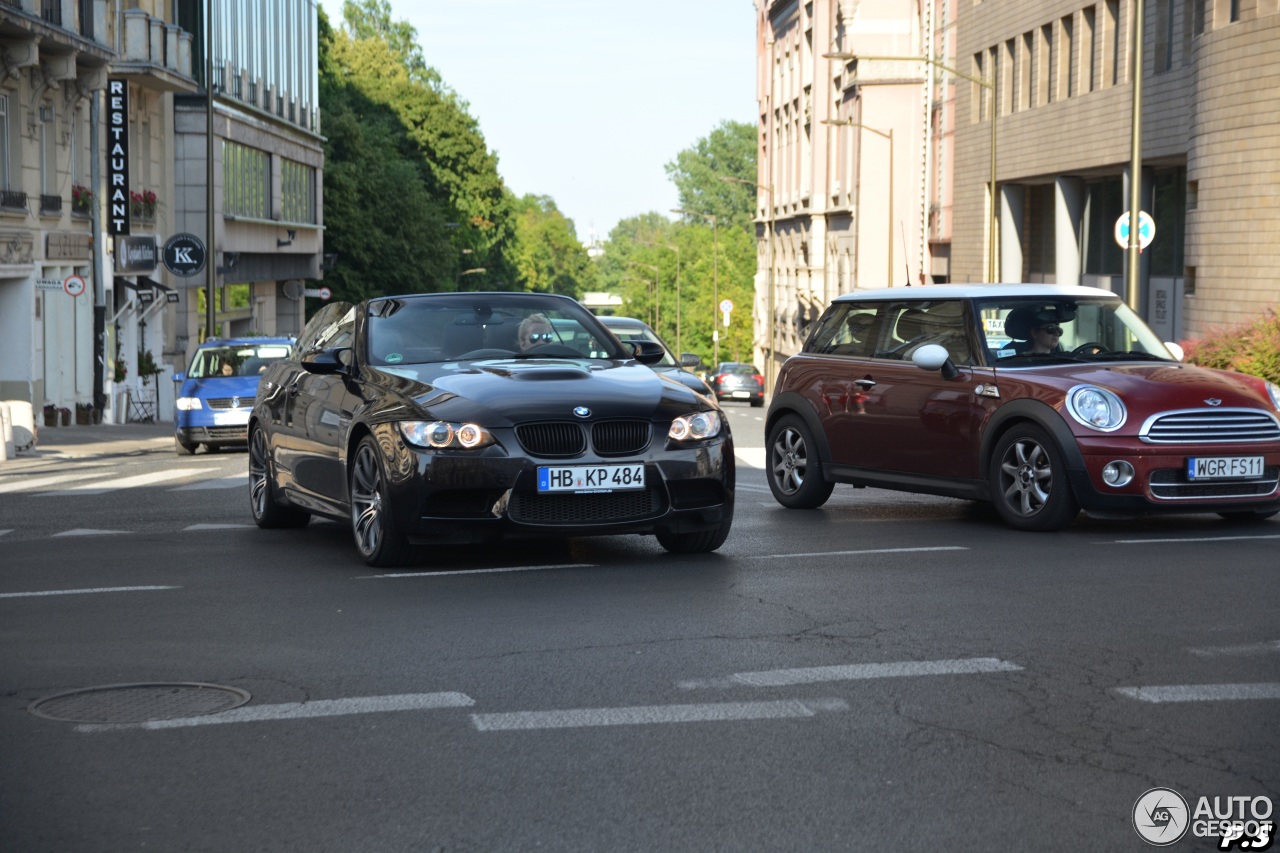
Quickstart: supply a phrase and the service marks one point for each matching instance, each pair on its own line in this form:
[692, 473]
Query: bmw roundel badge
[582, 411]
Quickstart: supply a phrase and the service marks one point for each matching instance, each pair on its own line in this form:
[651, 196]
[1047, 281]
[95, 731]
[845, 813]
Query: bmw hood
[514, 391]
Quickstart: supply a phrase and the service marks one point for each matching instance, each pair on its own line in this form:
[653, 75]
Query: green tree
[728, 151]
[547, 254]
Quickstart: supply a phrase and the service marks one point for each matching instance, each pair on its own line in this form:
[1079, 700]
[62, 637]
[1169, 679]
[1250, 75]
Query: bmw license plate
[590, 478]
[1223, 467]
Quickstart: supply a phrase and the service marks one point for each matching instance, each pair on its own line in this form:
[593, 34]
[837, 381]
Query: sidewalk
[70, 442]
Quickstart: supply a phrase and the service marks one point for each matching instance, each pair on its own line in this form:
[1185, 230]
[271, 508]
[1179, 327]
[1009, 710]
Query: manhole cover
[138, 703]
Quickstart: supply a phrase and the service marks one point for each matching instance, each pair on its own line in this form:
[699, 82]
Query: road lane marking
[1201, 692]
[650, 714]
[1243, 649]
[1189, 539]
[853, 672]
[300, 711]
[430, 574]
[41, 482]
[3, 532]
[847, 553]
[234, 482]
[125, 482]
[218, 527]
[84, 591]
[87, 531]
[751, 457]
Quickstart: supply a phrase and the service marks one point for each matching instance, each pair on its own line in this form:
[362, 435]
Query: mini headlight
[443, 434]
[1096, 408]
[188, 404]
[1274, 391]
[695, 426]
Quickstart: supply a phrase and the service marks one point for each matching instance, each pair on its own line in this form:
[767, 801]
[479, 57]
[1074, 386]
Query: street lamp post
[715, 279]
[673, 247]
[889, 136]
[769, 325]
[990, 85]
[653, 296]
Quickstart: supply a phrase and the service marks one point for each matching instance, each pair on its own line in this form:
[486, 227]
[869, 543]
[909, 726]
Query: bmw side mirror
[647, 352]
[325, 361]
[935, 357]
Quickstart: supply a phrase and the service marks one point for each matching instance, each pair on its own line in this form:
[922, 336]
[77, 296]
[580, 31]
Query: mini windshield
[235, 360]
[462, 327]
[1024, 331]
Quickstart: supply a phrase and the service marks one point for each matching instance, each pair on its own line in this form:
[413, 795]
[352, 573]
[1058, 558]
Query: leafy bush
[1252, 348]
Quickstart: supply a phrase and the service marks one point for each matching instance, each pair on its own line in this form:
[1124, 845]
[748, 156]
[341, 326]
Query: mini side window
[846, 329]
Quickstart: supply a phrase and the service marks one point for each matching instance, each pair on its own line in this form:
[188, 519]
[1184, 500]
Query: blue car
[216, 393]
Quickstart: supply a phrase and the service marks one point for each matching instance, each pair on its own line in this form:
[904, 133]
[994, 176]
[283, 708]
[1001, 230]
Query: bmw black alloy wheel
[267, 511]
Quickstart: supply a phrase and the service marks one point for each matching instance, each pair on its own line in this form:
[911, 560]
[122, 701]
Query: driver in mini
[1036, 329]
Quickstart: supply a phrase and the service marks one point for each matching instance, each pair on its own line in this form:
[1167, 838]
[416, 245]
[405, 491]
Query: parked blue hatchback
[216, 393]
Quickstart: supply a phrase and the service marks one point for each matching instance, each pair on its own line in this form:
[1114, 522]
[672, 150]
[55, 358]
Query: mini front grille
[1172, 484]
[552, 439]
[227, 402]
[620, 438]
[1210, 426]
[533, 508]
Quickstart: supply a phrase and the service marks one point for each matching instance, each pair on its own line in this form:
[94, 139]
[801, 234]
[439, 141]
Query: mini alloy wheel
[1028, 481]
[794, 468]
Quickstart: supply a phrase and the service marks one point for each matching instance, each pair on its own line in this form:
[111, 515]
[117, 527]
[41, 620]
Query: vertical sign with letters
[117, 157]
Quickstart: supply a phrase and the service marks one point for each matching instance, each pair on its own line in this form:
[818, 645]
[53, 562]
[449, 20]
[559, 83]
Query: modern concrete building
[1058, 74]
[144, 180]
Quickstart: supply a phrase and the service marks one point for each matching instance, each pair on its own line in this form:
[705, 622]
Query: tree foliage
[547, 254]
[729, 151]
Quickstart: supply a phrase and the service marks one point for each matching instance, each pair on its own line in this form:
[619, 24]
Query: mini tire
[269, 510]
[794, 466]
[696, 542]
[378, 539]
[1029, 483]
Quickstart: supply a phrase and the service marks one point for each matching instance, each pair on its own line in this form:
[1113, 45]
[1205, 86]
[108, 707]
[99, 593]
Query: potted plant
[50, 415]
[87, 413]
[147, 366]
[142, 205]
[82, 199]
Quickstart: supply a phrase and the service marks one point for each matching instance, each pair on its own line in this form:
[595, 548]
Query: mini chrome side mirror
[1176, 349]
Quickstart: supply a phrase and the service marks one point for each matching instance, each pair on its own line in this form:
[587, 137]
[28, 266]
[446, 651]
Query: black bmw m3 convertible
[474, 417]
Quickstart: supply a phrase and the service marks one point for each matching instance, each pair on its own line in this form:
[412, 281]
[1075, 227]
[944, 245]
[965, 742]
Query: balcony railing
[13, 200]
[51, 204]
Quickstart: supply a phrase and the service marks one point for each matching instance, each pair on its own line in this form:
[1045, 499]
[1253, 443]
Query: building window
[1164, 35]
[246, 181]
[1170, 210]
[1104, 202]
[4, 142]
[1067, 55]
[48, 151]
[1041, 258]
[1235, 10]
[1089, 50]
[1111, 71]
[297, 192]
[1197, 16]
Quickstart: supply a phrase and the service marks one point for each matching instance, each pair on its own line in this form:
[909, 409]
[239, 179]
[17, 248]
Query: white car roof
[974, 291]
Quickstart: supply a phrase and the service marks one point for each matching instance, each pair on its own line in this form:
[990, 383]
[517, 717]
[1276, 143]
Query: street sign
[726, 305]
[49, 284]
[1146, 230]
[184, 255]
[74, 285]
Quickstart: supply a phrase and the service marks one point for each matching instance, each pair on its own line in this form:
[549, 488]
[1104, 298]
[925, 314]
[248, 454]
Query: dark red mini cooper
[1042, 399]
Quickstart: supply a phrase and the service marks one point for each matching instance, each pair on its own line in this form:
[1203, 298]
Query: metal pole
[1135, 164]
[993, 261]
[679, 345]
[211, 263]
[715, 291]
[891, 208]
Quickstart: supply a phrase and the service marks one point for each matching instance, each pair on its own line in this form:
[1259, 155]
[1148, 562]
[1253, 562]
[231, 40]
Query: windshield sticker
[393, 358]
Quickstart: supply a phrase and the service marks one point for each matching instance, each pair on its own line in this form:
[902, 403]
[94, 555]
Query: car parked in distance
[1041, 399]
[733, 380]
[476, 417]
[215, 394]
[631, 329]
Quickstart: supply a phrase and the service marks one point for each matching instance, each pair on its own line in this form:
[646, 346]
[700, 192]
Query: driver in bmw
[535, 330]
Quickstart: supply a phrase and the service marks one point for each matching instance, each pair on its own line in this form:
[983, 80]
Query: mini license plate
[1223, 467]
[590, 478]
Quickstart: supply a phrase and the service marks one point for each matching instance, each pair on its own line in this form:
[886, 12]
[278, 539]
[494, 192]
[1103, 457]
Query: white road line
[1201, 692]
[428, 574]
[853, 672]
[650, 714]
[84, 591]
[751, 457]
[300, 711]
[126, 482]
[845, 553]
[1243, 649]
[218, 526]
[237, 481]
[42, 482]
[1186, 539]
[88, 531]
[740, 487]
[3, 532]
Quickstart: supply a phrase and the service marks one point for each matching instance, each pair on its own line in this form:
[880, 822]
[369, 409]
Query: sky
[585, 101]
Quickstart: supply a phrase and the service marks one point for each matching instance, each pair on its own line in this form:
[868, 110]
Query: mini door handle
[864, 383]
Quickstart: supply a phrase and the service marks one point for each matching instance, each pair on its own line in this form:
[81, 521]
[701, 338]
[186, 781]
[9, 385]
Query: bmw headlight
[1096, 408]
[1274, 390]
[188, 404]
[441, 434]
[695, 426]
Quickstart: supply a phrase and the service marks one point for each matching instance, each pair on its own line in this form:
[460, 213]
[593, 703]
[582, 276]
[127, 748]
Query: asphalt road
[888, 672]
